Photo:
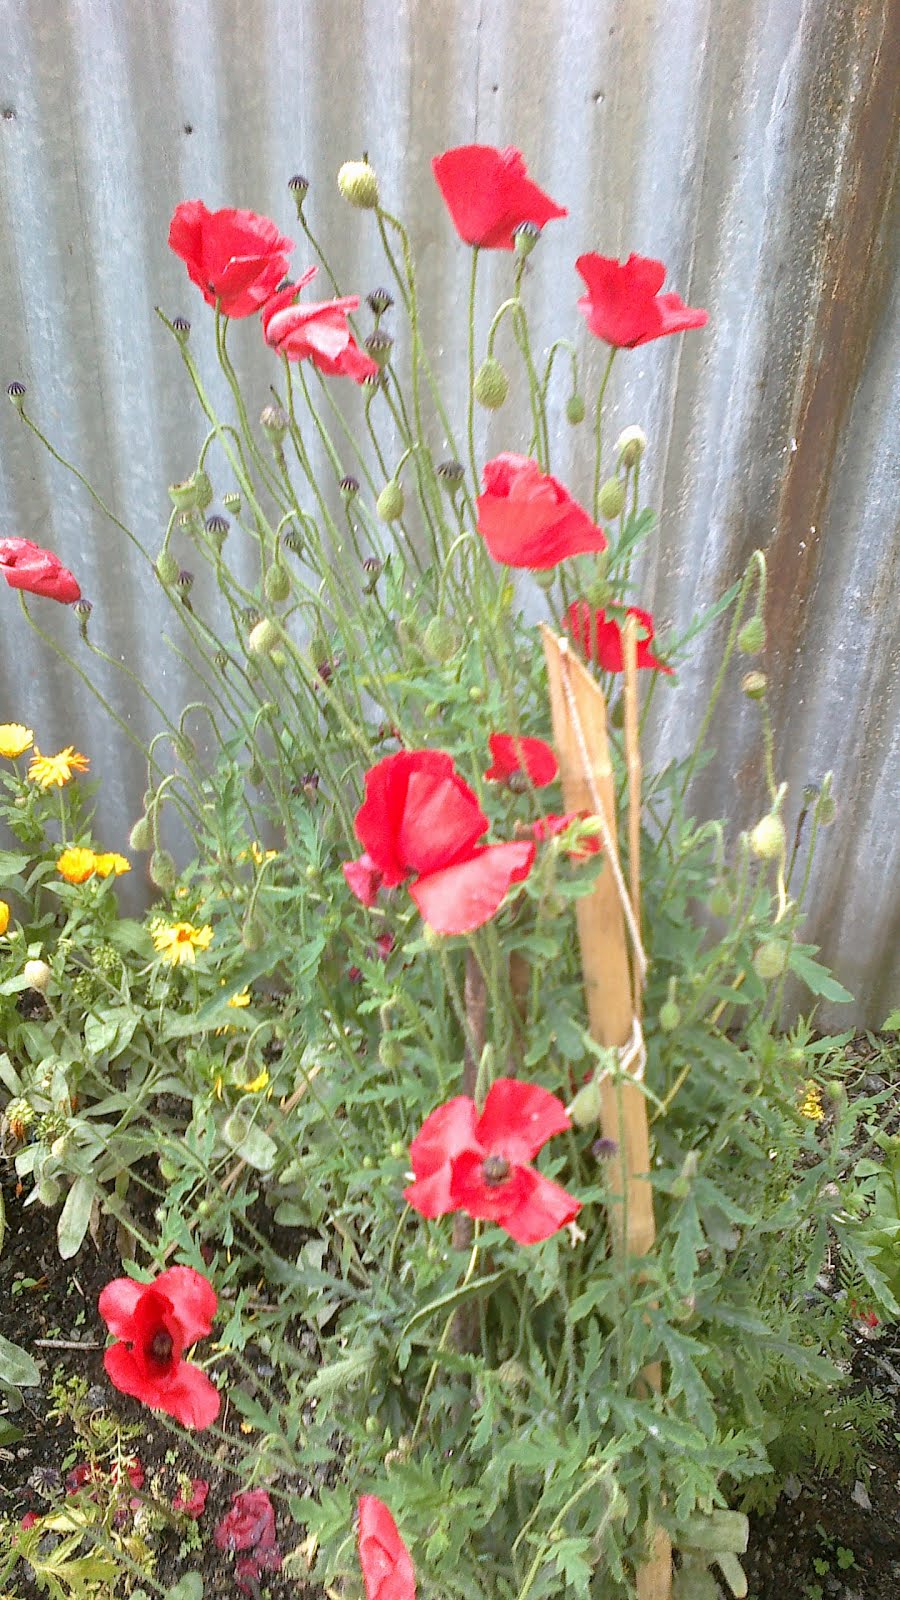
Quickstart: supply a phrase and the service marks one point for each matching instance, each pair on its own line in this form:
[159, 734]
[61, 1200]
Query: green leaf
[250, 1142]
[11, 864]
[111, 1031]
[190, 1587]
[892, 1022]
[817, 978]
[17, 1366]
[689, 1241]
[339, 1374]
[74, 1218]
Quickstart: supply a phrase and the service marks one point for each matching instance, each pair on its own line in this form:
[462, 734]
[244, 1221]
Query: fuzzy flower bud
[575, 409]
[252, 933]
[611, 498]
[767, 839]
[491, 384]
[752, 637]
[141, 835]
[754, 685]
[390, 502]
[630, 445]
[37, 975]
[277, 584]
[163, 871]
[359, 185]
[669, 1016]
[770, 960]
[166, 568]
[262, 638]
[274, 422]
[585, 1108]
[720, 901]
[440, 639]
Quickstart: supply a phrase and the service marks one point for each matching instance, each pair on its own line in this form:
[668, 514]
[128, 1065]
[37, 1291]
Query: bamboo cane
[578, 710]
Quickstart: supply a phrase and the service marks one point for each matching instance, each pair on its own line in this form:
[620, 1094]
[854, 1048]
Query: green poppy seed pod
[16, 394]
[163, 871]
[379, 301]
[252, 933]
[183, 495]
[575, 409]
[141, 835]
[491, 384]
[379, 345]
[585, 1108]
[217, 528]
[262, 638]
[167, 568]
[545, 578]
[669, 1016]
[770, 960]
[767, 839]
[611, 499]
[390, 502]
[720, 901]
[630, 446]
[37, 975]
[451, 474]
[440, 639]
[277, 584]
[299, 187]
[232, 502]
[358, 184]
[181, 329]
[274, 423]
[525, 237]
[752, 637]
[754, 685]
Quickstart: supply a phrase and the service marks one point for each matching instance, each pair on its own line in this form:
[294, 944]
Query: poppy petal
[518, 1119]
[193, 1298]
[387, 1568]
[444, 1134]
[463, 897]
[117, 1304]
[542, 1212]
[512, 753]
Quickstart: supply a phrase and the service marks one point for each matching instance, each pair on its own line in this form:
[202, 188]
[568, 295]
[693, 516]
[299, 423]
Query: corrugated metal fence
[749, 143]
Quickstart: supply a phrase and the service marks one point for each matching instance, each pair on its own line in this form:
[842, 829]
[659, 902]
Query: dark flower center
[495, 1170]
[161, 1347]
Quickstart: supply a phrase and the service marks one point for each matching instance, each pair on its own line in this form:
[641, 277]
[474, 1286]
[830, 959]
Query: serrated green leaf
[689, 1241]
[817, 978]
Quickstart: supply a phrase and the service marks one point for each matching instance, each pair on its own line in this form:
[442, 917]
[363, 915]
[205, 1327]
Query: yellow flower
[256, 1084]
[4, 916]
[240, 1000]
[258, 854]
[15, 739]
[812, 1104]
[50, 770]
[176, 942]
[109, 862]
[76, 864]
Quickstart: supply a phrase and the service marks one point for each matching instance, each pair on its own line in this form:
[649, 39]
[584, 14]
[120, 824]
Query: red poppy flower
[235, 258]
[528, 519]
[317, 331]
[192, 1503]
[420, 817]
[624, 306]
[551, 826]
[26, 566]
[599, 637]
[387, 1569]
[488, 193]
[155, 1322]
[28, 1521]
[250, 1526]
[513, 754]
[481, 1164]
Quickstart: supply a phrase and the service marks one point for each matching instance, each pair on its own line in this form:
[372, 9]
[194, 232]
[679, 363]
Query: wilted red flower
[193, 1502]
[387, 1568]
[235, 258]
[364, 878]
[317, 331]
[26, 566]
[511, 754]
[420, 817]
[551, 826]
[528, 519]
[250, 1526]
[623, 304]
[481, 1164]
[28, 1521]
[155, 1323]
[488, 193]
[599, 637]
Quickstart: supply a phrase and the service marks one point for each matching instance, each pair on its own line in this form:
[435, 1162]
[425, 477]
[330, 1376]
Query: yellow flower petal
[76, 864]
[176, 942]
[15, 739]
[111, 861]
[56, 770]
[256, 1085]
[4, 917]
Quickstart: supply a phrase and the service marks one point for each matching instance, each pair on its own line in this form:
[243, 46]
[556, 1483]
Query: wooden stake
[633, 765]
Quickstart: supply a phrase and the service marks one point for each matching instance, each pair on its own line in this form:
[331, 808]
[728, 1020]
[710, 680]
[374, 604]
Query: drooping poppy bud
[358, 184]
[491, 384]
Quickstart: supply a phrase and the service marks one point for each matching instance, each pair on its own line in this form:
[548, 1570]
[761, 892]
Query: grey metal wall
[749, 143]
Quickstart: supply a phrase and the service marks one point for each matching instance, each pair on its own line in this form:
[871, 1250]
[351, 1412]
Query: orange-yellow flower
[177, 941]
[76, 864]
[15, 739]
[110, 861]
[50, 770]
[257, 854]
[4, 917]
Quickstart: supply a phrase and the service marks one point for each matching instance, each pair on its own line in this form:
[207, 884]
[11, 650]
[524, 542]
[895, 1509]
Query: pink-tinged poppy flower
[512, 755]
[482, 1164]
[154, 1324]
[624, 306]
[250, 1527]
[551, 826]
[488, 194]
[317, 331]
[599, 637]
[528, 519]
[419, 817]
[192, 1502]
[26, 566]
[387, 1568]
[236, 259]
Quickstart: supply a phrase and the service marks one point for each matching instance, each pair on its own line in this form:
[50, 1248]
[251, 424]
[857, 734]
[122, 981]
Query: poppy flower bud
[277, 584]
[754, 685]
[232, 502]
[274, 423]
[826, 811]
[37, 975]
[585, 1108]
[752, 637]
[379, 345]
[203, 489]
[720, 901]
[451, 474]
[770, 960]
[767, 839]
[358, 184]
[545, 578]
[440, 639]
[669, 1016]
[575, 409]
[181, 329]
[390, 502]
[611, 498]
[525, 237]
[262, 638]
[163, 871]
[166, 568]
[390, 1051]
[141, 835]
[252, 933]
[379, 301]
[630, 445]
[16, 393]
[491, 384]
[299, 187]
[217, 528]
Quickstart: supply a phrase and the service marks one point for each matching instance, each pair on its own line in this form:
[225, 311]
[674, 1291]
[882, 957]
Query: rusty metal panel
[750, 143]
